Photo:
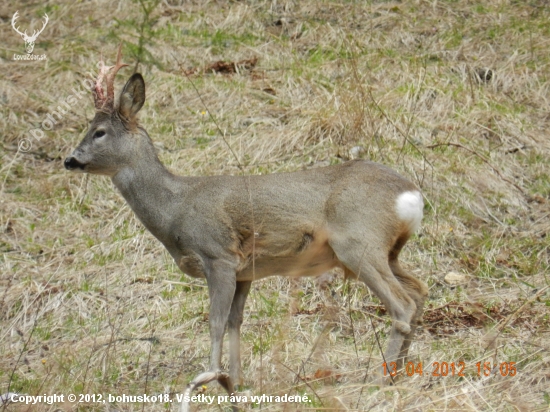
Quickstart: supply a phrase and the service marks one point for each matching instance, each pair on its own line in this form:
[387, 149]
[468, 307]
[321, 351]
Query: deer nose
[71, 163]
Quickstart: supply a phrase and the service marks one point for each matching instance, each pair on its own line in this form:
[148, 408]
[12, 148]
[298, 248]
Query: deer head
[110, 142]
[29, 40]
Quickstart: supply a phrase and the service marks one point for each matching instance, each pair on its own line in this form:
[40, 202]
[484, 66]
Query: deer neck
[151, 191]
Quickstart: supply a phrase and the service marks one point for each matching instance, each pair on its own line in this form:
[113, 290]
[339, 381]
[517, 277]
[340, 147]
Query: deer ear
[132, 96]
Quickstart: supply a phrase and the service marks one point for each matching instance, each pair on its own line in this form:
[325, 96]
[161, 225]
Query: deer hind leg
[373, 269]
[234, 331]
[418, 291]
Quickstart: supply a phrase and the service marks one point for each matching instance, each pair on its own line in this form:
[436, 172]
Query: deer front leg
[234, 331]
[221, 289]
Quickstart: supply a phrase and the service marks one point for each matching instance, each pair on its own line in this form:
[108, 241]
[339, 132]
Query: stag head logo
[29, 40]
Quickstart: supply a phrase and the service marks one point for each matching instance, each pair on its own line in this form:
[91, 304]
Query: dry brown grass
[91, 303]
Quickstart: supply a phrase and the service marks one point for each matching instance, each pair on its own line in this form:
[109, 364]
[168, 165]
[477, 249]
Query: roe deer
[232, 230]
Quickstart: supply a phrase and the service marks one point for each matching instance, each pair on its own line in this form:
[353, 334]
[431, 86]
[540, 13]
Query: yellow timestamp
[443, 369]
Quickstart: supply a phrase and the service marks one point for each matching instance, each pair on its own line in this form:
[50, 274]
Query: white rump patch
[409, 206]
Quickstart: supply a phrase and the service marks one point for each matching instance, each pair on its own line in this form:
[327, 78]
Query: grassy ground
[453, 94]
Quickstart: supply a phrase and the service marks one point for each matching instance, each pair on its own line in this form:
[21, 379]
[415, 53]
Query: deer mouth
[72, 164]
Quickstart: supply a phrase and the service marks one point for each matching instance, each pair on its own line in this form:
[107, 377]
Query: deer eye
[98, 134]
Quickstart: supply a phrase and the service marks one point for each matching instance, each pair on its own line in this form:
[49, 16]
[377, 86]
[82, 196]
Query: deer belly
[315, 260]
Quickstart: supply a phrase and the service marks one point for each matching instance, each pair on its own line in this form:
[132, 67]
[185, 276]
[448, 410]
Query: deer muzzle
[71, 163]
